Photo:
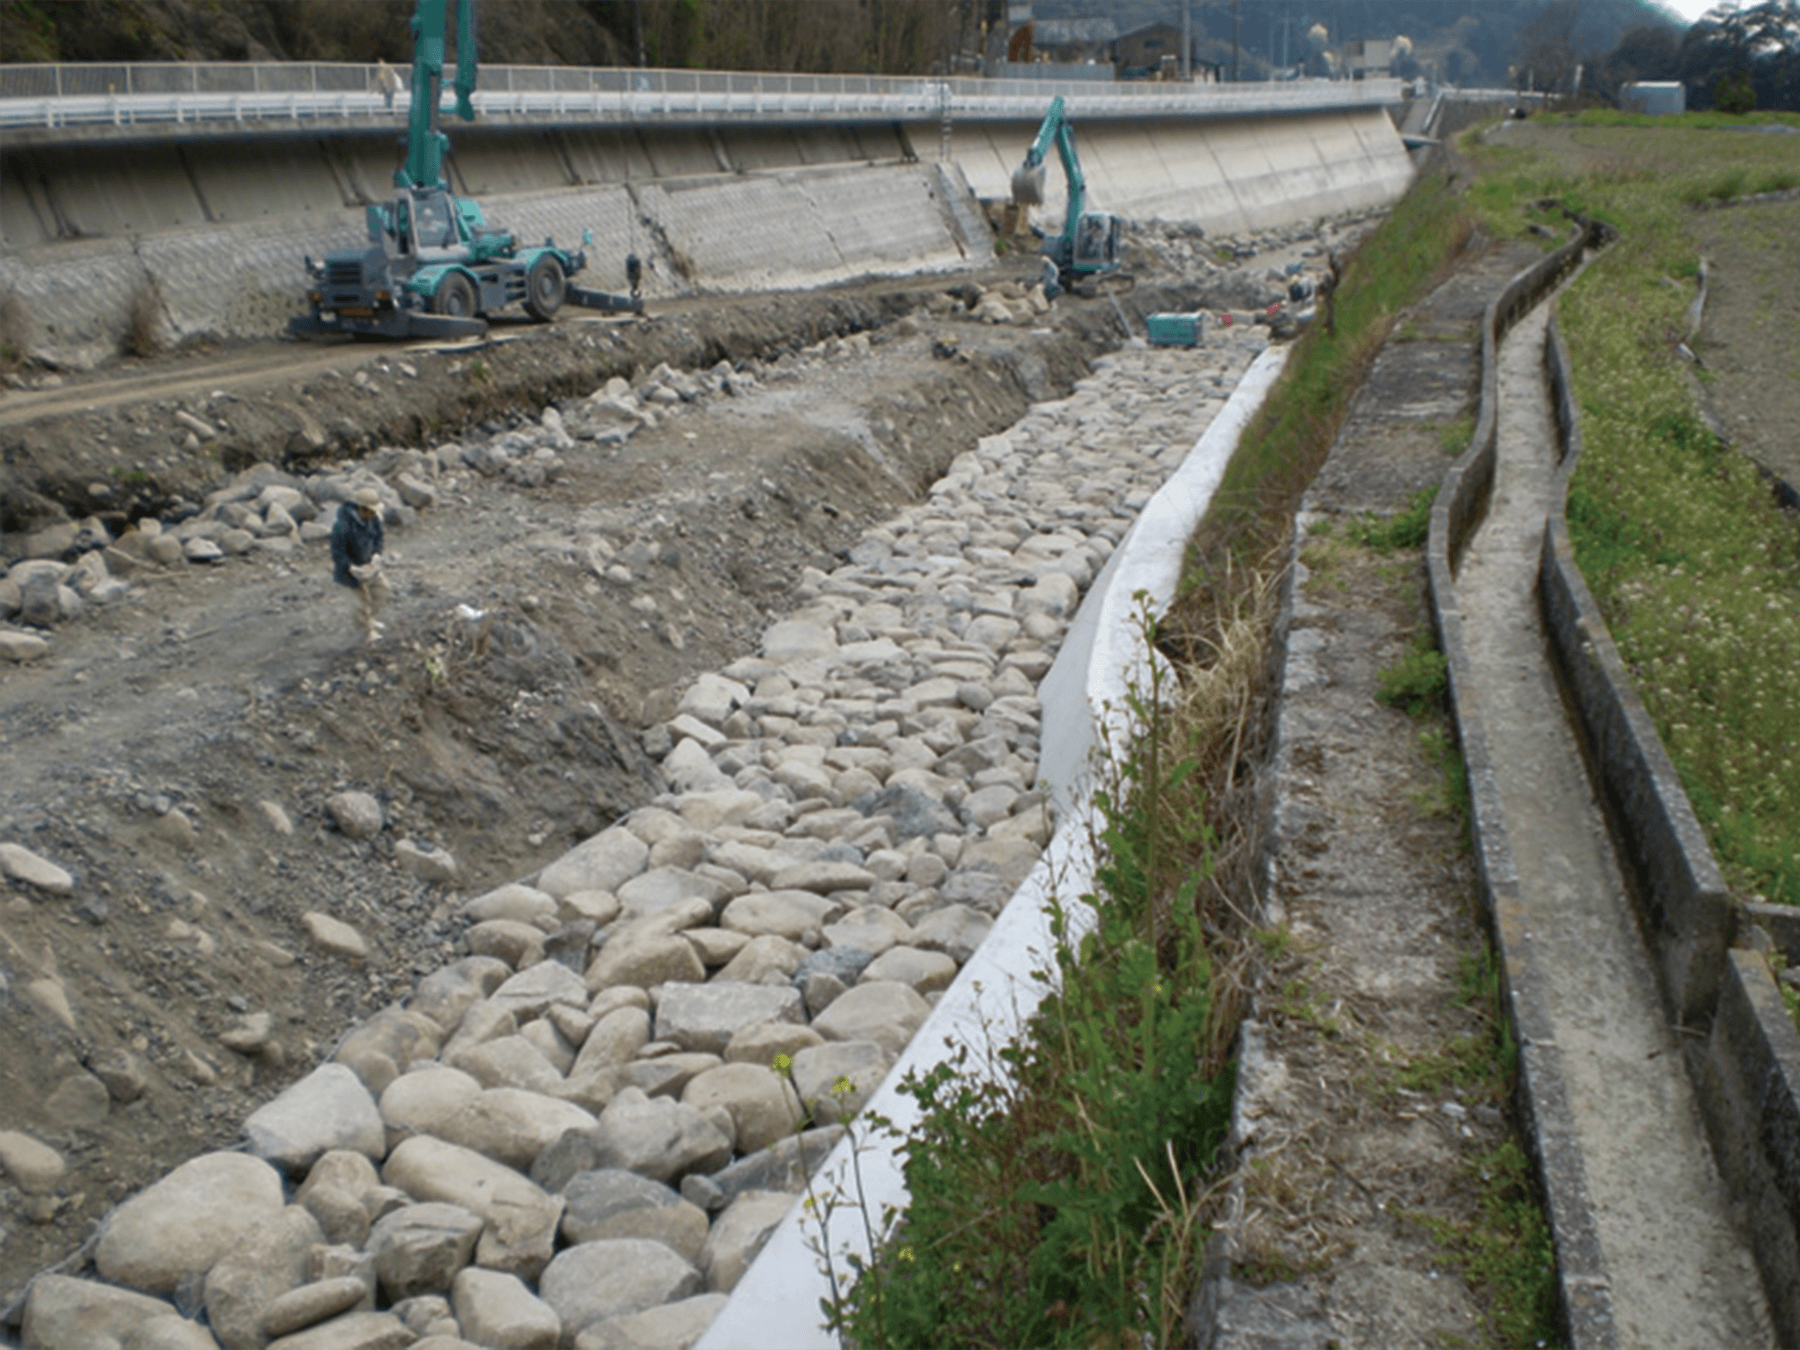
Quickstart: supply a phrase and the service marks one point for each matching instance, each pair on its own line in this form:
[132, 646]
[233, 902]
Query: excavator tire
[544, 288]
[455, 297]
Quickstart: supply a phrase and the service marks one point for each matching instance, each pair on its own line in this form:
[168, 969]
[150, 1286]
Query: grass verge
[1694, 566]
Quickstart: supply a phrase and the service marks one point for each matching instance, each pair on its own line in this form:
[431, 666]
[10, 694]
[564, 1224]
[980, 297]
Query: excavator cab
[434, 221]
[1096, 243]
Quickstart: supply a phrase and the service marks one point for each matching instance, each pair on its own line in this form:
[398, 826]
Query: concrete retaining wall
[205, 237]
[1227, 176]
[1748, 1068]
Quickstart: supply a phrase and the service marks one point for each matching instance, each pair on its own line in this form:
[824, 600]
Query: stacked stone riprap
[573, 1136]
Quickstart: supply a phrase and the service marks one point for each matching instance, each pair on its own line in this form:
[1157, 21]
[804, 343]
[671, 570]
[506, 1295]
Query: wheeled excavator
[1088, 247]
[433, 266]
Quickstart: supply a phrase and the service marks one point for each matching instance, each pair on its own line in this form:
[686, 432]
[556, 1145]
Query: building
[1659, 98]
[1367, 58]
[1145, 52]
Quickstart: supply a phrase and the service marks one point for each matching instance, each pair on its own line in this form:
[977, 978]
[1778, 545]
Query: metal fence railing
[144, 94]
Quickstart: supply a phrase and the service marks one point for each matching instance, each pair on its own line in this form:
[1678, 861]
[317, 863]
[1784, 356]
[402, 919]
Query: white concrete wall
[1229, 176]
[213, 233]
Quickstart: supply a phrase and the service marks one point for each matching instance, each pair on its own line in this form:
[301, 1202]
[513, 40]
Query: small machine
[1174, 330]
[433, 266]
[1088, 247]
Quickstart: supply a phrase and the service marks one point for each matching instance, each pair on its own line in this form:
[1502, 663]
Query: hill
[1474, 44]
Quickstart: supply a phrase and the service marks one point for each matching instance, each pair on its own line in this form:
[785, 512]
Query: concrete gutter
[1746, 1064]
[1584, 1289]
[1102, 658]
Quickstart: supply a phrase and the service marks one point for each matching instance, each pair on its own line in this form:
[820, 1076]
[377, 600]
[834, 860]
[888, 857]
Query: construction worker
[387, 81]
[357, 540]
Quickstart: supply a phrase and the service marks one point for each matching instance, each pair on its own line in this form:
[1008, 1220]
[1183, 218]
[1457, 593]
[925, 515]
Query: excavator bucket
[1028, 184]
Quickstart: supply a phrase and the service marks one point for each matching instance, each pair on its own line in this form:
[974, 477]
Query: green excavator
[1087, 249]
[434, 267]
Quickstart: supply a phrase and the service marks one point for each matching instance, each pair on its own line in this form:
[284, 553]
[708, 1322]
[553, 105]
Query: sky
[1688, 9]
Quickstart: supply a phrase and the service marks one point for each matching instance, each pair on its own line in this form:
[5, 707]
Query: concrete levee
[1228, 176]
[103, 244]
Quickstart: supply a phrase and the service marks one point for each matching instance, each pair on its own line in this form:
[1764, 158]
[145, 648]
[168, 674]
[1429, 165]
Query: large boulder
[178, 1228]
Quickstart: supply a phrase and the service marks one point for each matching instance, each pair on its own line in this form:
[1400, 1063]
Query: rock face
[575, 1135]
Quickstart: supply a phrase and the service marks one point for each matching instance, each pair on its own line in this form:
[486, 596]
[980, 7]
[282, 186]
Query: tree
[1646, 52]
[1546, 51]
[1733, 56]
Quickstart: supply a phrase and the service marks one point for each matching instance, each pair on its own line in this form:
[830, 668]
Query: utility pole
[637, 20]
[1187, 40]
[1234, 41]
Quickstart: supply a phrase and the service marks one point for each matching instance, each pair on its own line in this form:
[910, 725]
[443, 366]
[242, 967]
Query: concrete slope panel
[1293, 177]
[879, 142]
[612, 217]
[988, 153]
[365, 166]
[741, 234]
[26, 219]
[487, 162]
[888, 220]
[750, 148]
[70, 309]
[1189, 187]
[610, 155]
[228, 282]
[682, 152]
[262, 180]
[1389, 169]
[110, 190]
[803, 229]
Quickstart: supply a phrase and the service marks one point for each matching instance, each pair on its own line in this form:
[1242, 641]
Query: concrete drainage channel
[1743, 1066]
[500, 1155]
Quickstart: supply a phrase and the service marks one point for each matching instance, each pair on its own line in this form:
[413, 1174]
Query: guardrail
[137, 94]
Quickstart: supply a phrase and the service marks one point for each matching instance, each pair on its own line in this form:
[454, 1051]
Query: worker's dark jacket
[353, 542]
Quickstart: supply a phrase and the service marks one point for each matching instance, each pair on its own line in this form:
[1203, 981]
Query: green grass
[1407, 530]
[1419, 683]
[1694, 567]
[1288, 440]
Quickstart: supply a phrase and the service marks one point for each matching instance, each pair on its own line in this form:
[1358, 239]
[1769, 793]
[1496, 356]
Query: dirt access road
[175, 750]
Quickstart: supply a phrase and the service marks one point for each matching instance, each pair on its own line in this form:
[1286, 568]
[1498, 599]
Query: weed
[1506, 1252]
[1290, 437]
[1449, 797]
[1407, 530]
[1456, 436]
[1691, 563]
[1420, 683]
[1055, 1201]
[15, 329]
[143, 322]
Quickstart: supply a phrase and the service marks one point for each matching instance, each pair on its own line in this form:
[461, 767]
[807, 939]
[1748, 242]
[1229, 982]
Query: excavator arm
[1028, 178]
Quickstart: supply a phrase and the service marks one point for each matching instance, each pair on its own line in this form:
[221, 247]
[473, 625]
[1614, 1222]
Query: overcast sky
[1688, 9]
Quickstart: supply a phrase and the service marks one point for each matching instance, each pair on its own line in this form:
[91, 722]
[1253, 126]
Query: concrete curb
[1748, 1068]
[779, 1298]
[1583, 1286]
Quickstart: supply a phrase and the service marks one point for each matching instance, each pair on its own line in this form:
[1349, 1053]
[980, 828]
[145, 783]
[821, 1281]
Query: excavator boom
[425, 144]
